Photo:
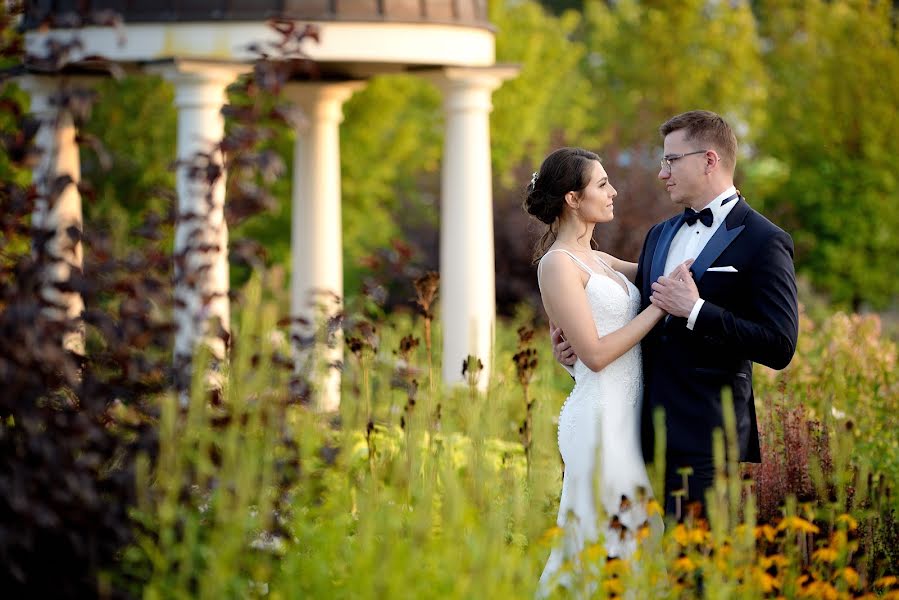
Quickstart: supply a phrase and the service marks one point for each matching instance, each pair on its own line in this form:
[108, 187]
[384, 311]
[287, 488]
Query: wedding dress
[599, 439]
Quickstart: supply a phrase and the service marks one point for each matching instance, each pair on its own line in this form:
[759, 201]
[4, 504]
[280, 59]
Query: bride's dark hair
[565, 170]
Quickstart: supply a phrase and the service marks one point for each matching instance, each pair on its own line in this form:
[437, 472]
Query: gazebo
[201, 48]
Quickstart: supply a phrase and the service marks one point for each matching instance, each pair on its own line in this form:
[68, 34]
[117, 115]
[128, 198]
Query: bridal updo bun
[565, 170]
[540, 204]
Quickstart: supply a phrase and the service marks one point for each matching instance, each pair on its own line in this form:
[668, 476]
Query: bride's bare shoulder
[555, 256]
[556, 264]
[557, 259]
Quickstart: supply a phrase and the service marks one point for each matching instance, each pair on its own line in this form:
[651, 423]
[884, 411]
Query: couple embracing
[714, 291]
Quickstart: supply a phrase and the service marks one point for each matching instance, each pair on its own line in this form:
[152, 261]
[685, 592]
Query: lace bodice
[612, 309]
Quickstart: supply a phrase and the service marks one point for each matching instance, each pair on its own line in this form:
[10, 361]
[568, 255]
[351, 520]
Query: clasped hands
[676, 294]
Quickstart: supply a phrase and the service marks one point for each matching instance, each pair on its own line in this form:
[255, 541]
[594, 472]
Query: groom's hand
[677, 293]
[562, 350]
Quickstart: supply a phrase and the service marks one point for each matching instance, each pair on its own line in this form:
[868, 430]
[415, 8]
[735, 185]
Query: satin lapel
[721, 240]
[661, 251]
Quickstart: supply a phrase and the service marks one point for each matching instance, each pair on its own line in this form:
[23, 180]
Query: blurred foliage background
[260, 497]
[809, 86]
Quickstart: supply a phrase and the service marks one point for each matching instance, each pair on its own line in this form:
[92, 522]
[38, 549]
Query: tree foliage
[390, 156]
[810, 87]
[833, 136]
[651, 60]
[549, 99]
[128, 149]
[645, 62]
[71, 426]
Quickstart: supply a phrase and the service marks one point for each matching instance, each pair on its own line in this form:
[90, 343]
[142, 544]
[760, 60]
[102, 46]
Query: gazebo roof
[63, 13]
[357, 38]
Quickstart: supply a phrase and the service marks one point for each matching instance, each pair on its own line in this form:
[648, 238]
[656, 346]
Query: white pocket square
[727, 269]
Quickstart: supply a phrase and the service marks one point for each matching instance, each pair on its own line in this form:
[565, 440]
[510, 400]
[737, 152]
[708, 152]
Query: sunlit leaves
[832, 126]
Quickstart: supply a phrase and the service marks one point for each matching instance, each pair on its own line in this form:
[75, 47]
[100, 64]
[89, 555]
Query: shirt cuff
[694, 314]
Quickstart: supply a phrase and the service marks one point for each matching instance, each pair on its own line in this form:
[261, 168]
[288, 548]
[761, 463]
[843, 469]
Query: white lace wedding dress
[599, 439]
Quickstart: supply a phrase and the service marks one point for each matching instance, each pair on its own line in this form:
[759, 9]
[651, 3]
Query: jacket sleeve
[644, 267]
[767, 333]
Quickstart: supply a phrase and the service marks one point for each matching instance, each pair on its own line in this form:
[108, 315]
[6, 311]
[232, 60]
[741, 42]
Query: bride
[591, 297]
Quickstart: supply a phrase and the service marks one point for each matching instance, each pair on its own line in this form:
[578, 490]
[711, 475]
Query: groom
[739, 307]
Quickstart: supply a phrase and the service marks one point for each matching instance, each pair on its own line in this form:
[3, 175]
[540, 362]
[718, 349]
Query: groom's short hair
[708, 128]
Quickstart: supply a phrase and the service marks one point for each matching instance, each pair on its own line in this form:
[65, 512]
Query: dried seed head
[426, 288]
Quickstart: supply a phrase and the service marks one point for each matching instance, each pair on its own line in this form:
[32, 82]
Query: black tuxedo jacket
[750, 315]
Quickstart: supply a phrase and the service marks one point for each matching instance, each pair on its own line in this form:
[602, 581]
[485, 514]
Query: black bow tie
[704, 216]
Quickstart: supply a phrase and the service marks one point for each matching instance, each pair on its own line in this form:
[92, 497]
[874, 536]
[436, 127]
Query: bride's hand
[562, 350]
[677, 293]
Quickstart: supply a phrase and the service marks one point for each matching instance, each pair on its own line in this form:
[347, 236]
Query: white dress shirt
[690, 240]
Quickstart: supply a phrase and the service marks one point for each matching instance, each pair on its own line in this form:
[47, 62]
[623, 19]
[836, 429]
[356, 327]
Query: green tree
[392, 135]
[833, 134]
[128, 153]
[390, 157]
[550, 99]
[651, 60]
[648, 61]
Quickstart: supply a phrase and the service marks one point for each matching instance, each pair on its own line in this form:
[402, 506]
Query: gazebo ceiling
[62, 13]
[357, 38]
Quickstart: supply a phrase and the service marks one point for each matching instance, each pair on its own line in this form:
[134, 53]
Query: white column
[57, 212]
[201, 233]
[316, 287]
[467, 286]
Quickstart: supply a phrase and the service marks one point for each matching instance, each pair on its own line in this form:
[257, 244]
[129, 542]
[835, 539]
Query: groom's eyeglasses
[667, 160]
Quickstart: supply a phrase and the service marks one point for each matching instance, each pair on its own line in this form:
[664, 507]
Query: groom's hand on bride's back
[562, 350]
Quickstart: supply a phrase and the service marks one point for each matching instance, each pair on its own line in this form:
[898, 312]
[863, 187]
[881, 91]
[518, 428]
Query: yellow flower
[643, 533]
[798, 524]
[653, 507]
[888, 581]
[550, 536]
[685, 563]
[777, 560]
[851, 523]
[839, 539]
[680, 534]
[699, 536]
[594, 552]
[767, 581]
[826, 554]
[684, 535]
[850, 575]
[617, 567]
[820, 590]
[613, 586]
[765, 531]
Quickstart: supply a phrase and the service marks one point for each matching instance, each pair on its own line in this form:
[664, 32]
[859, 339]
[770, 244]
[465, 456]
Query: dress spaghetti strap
[617, 278]
[577, 261]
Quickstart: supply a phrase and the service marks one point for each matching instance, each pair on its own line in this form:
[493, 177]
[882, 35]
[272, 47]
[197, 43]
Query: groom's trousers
[698, 473]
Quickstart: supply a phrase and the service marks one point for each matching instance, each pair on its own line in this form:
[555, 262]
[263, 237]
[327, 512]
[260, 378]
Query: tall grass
[258, 496]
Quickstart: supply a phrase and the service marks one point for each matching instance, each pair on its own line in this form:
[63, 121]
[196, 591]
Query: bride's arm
[628, 269]
[566, 304]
